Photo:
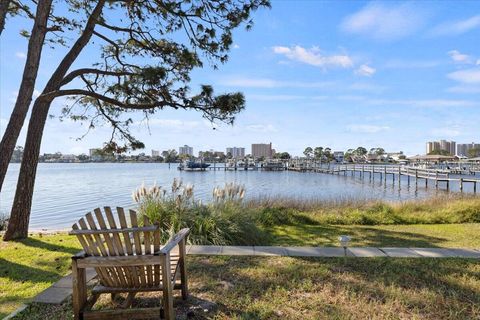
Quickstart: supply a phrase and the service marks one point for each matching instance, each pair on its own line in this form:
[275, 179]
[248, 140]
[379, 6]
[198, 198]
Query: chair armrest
[79, 255]
[174, 241]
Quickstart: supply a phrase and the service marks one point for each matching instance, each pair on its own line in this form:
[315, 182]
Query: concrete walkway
[334, 251]
[62, 289]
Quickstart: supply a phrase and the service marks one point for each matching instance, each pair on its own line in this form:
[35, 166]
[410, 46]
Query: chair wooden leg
[167, 302]
[183, 270]
[79, 295]
[128, 301]
[91, 301]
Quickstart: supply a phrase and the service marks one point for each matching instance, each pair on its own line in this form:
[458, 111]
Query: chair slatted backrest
[102, 240]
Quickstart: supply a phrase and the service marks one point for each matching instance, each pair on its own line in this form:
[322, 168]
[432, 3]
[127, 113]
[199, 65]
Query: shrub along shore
[229, 220]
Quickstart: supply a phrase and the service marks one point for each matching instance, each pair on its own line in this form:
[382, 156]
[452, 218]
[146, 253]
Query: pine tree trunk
[19, 113]
[3, 13]
[17, 227]
[20, 214]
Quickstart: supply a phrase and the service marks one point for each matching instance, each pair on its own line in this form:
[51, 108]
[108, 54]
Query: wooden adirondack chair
[127, 260]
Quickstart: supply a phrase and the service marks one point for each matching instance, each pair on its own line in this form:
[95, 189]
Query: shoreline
[446, 209]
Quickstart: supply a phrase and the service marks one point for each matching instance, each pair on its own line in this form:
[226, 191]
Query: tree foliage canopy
[440, 152]
[147, 51]
[474, 152]
[308, 152]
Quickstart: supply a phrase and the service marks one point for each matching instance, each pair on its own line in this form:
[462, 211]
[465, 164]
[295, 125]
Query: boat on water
[246, 164]
[191, 165]
[273, 165]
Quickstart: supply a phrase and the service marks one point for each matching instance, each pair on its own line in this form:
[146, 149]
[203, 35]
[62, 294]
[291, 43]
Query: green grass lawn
[431, 235]
[30, 266]
[307, 288]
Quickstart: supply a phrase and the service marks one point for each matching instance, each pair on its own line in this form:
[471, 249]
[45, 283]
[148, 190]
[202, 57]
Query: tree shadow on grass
[454, 281]
[22, 273]
[36, 243]
[10, 302]
[327, 235]
[377, 281]
[328, 288]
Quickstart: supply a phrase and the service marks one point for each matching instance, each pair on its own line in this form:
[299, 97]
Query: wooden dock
[425, 176]
[222, 166]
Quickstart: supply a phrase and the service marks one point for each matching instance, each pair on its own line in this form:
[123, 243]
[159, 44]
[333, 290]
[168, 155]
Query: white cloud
[36, 93]
[365, 70]
[468, 76]
[351, 98]
[283, 97]
[236, 46]
[383, 22]
[442, 132]
[364, 128]
[13, 96]
[78, 150]
[411, 64]
[174, 123]
[367, 87]
[464, 89]
[314, 57]
[456, 27]
[3, 125]
[21, 55]
[270, 83]
[428, 103]
[277, 97]
[458, 57]
[263, 128]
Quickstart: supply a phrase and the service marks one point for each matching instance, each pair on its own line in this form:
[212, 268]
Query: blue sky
[341, 74]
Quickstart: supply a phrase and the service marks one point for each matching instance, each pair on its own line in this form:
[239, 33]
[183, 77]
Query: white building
[185, 150]
[236, 152]
[463, 148]
[339, 156]
[262, 150]
[396, 156]
[68, 158]
[449, 146]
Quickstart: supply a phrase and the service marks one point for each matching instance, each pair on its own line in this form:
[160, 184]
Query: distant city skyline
[313, 74]
[449, 146]
[263, 149]
[259, 151]
[453, 147]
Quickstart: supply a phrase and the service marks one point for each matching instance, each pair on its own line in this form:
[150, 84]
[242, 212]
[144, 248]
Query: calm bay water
[64, 192]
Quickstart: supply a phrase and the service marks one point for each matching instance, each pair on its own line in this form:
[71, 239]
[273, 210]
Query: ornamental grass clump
[224, 221]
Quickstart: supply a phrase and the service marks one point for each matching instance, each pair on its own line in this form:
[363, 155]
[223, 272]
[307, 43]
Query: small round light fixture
[344, 241]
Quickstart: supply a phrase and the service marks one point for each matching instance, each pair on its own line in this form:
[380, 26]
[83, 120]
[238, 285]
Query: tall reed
[225, 220]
